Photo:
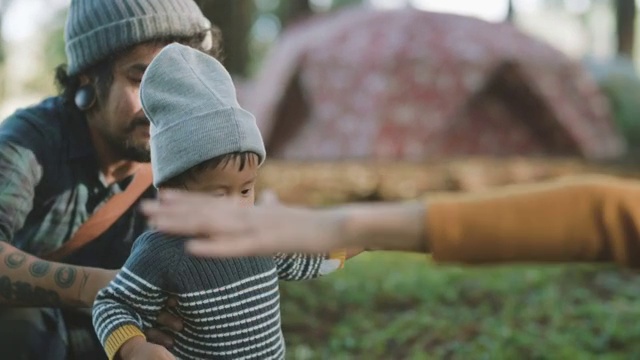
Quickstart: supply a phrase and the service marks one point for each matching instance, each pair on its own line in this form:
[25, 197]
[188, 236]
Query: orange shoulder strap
[105, 216]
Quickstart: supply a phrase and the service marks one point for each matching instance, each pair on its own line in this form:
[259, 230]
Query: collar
[80, 145]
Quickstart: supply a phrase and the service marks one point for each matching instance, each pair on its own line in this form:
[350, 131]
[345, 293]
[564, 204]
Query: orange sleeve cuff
[594, 218]
[120, 336]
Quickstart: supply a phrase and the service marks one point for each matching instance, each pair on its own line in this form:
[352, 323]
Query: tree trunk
[295, 10]
[625, 26]
[510, 13]
[234, 18]
[4, 5]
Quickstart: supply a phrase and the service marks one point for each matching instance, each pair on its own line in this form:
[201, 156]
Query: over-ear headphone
[85, 97]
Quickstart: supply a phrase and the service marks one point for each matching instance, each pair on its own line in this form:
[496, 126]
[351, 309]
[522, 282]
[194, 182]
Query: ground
[401, 306]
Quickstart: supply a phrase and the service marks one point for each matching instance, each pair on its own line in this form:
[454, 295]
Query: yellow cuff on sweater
[120, 336]
[339, 255]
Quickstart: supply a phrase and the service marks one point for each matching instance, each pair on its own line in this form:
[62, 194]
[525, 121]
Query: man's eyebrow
[138, 67]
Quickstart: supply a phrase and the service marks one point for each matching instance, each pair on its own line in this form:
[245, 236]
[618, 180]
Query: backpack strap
[105, 216]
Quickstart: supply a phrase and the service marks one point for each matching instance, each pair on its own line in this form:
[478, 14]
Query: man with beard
[64, 158]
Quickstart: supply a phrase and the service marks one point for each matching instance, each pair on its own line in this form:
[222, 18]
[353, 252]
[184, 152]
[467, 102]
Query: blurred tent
[413, 85]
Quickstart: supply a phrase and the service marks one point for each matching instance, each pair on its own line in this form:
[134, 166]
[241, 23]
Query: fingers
[172, 302]
[169, 321]
[231, 247]
[177, 219]
[189, 214]
[166, 323]
[268, 197]
[169, 195]
[159, 337]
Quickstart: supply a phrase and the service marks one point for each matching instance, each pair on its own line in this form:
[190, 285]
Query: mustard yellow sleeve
[118, 337]
[586, 219]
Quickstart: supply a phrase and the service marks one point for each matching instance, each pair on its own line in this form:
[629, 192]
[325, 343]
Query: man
[64, 158]
[587, 219]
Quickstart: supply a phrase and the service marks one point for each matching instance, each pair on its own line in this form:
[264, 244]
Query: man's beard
[137, 153]
[126, 148]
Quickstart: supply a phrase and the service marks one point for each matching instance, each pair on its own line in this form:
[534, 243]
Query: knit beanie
[97, 28]
[190, 100]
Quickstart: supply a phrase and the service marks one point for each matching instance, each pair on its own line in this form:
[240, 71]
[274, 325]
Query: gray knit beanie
[97, 28]
[191, 103]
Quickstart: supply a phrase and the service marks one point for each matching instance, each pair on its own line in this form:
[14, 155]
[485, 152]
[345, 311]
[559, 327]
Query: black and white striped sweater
[230, 307]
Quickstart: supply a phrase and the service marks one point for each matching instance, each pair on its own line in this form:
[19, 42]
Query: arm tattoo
[65, 276]
[39, 268]
[83, 283]
[15, 259]
[25, 294]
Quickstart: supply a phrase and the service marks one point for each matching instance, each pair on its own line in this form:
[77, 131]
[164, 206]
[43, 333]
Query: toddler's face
[227, 180]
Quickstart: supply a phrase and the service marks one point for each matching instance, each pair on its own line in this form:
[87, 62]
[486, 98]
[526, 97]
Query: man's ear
[84, 80]
[85, 96]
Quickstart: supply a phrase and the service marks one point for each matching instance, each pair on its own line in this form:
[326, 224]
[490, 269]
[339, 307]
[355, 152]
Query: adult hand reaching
[221, 229]
[234, 231]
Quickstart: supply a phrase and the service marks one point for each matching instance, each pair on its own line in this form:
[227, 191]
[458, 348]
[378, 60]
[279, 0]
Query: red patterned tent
[412, 85]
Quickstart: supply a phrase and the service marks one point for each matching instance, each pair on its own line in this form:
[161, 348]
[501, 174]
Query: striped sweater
[230, 307]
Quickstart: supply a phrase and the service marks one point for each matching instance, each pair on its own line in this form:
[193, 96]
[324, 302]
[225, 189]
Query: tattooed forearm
[26, 280]
[15, 259]
[65, 276]
[39, 268]
[25, 294]
[83, 283]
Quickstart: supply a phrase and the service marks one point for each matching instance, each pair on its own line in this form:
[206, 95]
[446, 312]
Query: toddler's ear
[268, 197]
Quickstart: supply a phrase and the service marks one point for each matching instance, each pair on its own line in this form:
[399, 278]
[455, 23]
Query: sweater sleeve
[308, 266]
[133, 299]
[586, 219]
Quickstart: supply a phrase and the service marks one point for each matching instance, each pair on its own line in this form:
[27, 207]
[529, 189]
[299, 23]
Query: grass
[400, 306]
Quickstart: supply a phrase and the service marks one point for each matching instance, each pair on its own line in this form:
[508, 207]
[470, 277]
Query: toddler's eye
[246, 191]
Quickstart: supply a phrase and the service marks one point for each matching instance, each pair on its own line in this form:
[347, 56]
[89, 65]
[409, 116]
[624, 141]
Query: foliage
[398, 306]
[624, 96]
[619, 81]
[4, 5]
[282, 13]
[54, 55]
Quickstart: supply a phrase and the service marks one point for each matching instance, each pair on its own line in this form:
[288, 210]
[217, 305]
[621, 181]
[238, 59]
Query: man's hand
[99, 279]
[137, 348]
[168, 321]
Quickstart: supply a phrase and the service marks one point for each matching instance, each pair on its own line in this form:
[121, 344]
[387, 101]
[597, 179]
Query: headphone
[85, 97]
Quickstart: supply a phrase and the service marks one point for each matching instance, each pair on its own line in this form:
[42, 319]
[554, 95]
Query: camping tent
[414, 85]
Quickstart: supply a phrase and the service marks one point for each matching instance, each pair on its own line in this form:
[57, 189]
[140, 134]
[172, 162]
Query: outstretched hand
[220, 229]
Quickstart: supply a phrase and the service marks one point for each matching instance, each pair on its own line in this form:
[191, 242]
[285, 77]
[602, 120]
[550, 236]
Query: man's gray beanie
[98, 28]
[191, 103]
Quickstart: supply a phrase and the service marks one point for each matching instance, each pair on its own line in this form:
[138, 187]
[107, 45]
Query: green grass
[399, 306]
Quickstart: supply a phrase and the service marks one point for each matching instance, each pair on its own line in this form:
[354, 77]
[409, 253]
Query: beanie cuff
[185, 144]
[90, 48]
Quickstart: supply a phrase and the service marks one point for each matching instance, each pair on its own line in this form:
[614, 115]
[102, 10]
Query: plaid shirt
[50, 184]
